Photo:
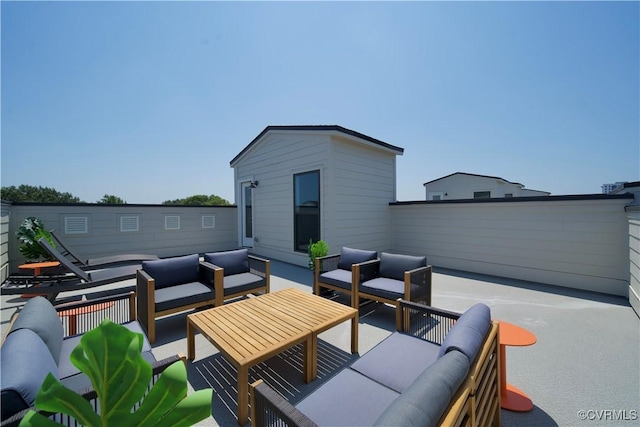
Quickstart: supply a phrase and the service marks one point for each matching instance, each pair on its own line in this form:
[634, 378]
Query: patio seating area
[585, 364]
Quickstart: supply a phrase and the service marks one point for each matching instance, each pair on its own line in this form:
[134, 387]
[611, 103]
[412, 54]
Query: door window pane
[306, 209]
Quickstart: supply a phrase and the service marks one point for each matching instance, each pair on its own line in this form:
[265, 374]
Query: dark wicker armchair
[343, 272]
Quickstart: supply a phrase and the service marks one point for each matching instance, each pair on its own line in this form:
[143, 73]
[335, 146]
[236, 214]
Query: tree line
[39, 194]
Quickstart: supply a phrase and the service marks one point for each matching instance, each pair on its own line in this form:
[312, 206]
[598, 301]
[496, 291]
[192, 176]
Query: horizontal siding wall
[104, 238]
[574, 243]
[4, 240]
[273, 164]
[357, 210]
[633, 213]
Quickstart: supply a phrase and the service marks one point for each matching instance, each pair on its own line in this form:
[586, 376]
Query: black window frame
[301, 243]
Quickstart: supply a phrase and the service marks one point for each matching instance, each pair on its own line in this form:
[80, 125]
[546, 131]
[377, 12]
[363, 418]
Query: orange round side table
[37, 267]
[511, 397]
[73, 313]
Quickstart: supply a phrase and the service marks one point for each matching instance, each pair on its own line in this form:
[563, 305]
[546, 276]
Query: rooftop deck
[586, 362]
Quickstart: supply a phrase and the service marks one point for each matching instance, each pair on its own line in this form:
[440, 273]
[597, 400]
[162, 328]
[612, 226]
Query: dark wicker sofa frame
[359, 272]
[477, 402]
[417, 284]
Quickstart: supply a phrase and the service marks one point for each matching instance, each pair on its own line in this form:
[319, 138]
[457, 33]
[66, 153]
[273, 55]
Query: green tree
[109, 199]
[39, 194]
[199, 200]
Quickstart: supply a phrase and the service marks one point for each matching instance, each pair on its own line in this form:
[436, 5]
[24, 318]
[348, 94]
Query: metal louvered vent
[76, 225]
[129, 223]
[172, 222]
[208, 221]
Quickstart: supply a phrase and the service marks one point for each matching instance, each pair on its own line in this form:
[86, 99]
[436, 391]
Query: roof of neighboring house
[318, 128]
[474, 175]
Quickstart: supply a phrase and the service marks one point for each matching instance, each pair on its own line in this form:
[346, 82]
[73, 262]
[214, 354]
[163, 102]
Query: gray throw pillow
[393, 266]
[233, 262]
[350, 256]
[173, 271]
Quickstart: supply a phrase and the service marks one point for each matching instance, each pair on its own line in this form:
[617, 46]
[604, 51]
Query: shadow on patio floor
[283, 373]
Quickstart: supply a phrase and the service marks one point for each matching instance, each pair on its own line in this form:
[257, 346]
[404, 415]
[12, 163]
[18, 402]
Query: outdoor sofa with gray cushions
[37, 342]
[394, 276]
[342, 272]
[439, 368]
[172, 285]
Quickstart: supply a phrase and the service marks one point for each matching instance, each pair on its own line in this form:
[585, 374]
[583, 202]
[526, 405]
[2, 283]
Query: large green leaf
[168, 400]
[111, 356]
[55, 397]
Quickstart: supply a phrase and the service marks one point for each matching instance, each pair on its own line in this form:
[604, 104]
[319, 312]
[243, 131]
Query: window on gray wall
[306, 209]
[482, 195]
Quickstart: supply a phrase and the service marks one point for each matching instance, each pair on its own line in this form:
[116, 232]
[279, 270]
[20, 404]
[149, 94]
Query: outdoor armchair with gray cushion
[398, 276]
[236, 274]
[172, 285]
[344, 271]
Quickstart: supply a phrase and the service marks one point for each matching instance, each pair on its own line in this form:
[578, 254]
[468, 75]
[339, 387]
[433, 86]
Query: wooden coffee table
[251, 331]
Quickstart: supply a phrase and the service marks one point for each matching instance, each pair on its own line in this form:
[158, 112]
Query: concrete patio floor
[583, 370]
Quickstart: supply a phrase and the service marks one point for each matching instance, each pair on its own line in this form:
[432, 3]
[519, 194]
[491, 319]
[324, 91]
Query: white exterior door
[247, 214]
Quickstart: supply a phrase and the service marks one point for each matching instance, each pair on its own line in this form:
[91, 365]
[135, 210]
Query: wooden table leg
[191, 341]
[243, 394]
[310, 358]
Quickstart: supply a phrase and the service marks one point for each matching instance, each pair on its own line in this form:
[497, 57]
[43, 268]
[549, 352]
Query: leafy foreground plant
[31, 230]
[111, 356]
[317, 249]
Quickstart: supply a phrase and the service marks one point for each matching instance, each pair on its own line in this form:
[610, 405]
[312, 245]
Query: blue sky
[150, 101]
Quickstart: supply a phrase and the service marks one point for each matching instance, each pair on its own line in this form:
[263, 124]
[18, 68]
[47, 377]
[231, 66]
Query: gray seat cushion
[397, 361]
[387, 288]
[348, 399]
[427, 399]
[340, 278]
[393, 266]
[173, 271]
[25, 362]
[469, 332]
[39, 316]
[182, 295]
[233, 262]
[242, 282]
[67, 369]
[350, 256]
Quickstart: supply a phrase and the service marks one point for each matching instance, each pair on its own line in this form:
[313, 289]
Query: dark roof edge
[473, 174]
[126, 205]
[335, 128]
[520, 199]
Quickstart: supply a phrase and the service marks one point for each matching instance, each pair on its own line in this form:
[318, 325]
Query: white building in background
[608, 188]
[461, 185]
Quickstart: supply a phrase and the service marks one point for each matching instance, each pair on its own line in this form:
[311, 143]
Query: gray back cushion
[469, 332]
[393, 266]
[428, 397]
[39, 316]
[173, 271]
[25, 361]
[233, 262]
[350, 256]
